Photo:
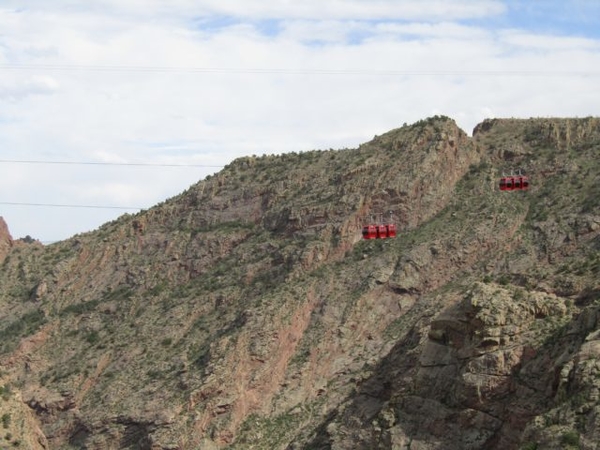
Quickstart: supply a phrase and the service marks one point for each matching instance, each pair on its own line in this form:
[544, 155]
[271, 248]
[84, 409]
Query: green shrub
[92, 337]
[570, 438]
[80, 308]
[5, 392]
[529, 446]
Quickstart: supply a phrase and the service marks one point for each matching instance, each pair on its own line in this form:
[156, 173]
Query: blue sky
[199, 83]
[569, 18]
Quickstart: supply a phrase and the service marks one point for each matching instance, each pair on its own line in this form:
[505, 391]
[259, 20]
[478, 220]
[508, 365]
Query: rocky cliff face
[247, 312]
[5, 239]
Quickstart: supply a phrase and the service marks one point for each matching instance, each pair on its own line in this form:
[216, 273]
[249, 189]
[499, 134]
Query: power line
[58, 205]
[92, 163]
[281, 71]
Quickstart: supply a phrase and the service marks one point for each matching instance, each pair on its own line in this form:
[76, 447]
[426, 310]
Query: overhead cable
[294, 71]
[58, 205]
[92, 163]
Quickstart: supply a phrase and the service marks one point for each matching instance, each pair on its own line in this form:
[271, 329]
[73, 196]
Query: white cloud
[17, 89]
[428, 30]
[118, 193]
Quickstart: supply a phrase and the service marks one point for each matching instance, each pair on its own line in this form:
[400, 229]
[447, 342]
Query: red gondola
[369, 232]
[379, 230]
[517, 183]
[382, 232]
[514, 182]
[391, 230]
[510, 185]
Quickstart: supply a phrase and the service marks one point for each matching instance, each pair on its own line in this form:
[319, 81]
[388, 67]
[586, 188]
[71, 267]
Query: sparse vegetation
[80, 308]
[27, 324]
[92, 337]
[5, 392]
[270, 432]
[6, 419]
[571, 439]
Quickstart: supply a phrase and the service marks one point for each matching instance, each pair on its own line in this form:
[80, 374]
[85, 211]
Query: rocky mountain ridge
[247, 312]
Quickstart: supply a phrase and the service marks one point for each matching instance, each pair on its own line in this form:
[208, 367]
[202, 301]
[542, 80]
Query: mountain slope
[248, 313]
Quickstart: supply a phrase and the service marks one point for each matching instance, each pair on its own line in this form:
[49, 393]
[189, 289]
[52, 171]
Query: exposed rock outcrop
[6, 240]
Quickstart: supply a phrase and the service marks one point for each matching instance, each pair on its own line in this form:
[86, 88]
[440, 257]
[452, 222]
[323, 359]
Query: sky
[108, 107]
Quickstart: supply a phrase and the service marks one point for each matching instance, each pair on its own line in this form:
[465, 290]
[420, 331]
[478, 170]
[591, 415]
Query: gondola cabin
[391, 230]
[369, 232]
[517, 183]
[507, 184]
[380, 229]
[514, 183]
[382, 232]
